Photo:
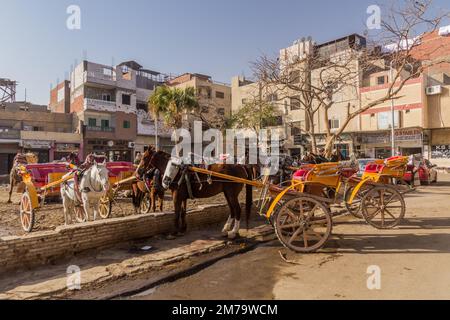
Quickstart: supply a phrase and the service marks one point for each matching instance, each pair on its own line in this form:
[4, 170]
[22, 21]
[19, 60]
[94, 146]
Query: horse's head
[171, 171]
[100, 174]
[145, 163]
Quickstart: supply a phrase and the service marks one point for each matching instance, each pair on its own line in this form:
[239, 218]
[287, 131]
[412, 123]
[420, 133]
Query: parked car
[426, 170]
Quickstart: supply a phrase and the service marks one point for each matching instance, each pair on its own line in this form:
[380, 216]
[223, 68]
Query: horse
[93, 185]
[149, 183]
[202, 186]
[14, 177]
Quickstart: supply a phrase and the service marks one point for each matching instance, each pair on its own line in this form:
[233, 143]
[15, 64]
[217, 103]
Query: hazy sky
[218, 38]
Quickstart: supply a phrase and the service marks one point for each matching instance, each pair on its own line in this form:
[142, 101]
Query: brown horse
[149, 183]
[203, 187]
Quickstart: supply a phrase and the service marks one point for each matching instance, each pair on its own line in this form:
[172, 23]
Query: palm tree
[171, 103]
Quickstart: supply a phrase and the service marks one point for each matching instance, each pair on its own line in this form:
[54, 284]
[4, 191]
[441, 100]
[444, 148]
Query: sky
[218, 38]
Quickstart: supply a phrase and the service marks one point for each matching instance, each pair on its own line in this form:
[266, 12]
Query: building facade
[214, 98]
[51, 136]
[421, 122]
[110, 104]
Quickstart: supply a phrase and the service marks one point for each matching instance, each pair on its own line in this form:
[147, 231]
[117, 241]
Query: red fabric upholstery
[115, 168]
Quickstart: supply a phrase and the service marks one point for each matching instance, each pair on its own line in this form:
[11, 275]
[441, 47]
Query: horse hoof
[231, 235]
[170, 237]
[9, 202]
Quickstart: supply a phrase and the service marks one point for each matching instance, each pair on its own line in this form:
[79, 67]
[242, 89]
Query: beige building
[214, 98]
[421, 121]
[51, 136]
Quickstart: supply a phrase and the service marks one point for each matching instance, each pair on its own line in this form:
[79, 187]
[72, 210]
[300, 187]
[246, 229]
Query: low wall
[44, 247]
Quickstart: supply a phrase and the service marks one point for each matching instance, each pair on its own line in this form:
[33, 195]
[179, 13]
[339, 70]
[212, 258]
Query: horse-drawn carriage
[42, 181]
[301, 212]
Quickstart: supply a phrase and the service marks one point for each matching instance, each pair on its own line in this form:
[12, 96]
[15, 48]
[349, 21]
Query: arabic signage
[440, 152]
[401, 135]
[37, 144]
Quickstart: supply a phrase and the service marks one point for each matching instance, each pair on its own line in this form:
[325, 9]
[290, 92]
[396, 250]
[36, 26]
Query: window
[126, 99]
[220, 95]
[294, 76]
[221, 111]
[126, 124]
[61, 94]
[381, 80]
[385, 120]
[107, 72]
[106, 97]
[296, 128]
[334, 124]
[105, 123]
[272, 97]
[92, 122]
[295, 103]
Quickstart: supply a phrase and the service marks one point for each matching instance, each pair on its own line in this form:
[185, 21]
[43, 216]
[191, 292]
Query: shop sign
[67, 147]
[408, 135]
[440, 152]
[36, 144]
[402, 135]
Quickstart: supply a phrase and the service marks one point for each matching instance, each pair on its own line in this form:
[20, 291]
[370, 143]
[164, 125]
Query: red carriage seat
[115, 168]
[300, 175]
[374, 168]
[40, 171]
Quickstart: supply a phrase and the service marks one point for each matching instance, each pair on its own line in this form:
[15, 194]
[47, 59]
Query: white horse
[93, 185]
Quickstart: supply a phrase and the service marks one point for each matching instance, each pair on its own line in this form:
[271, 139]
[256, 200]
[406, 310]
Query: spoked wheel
[26, 212]
[355, 207]
[105, 207]
[303, 224]
[383, 207]
[145, 206]
[80, 216]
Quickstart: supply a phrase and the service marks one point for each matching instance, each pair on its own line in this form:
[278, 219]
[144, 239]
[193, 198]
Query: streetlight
[391, 77]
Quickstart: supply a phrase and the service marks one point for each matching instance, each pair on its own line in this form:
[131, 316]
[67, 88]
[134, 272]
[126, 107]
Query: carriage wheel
[303, 224]
[383, 207]
[355, 207]
[145, 206]
[105, 207]
[26, 212]
[80, 216]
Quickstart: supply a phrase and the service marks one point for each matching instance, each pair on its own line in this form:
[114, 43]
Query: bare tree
[313, 82]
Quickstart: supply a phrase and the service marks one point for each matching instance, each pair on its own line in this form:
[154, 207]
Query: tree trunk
[329, 146]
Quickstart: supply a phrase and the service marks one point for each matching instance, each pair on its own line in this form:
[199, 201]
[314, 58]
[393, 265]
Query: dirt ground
[413, 262]
[51, 215]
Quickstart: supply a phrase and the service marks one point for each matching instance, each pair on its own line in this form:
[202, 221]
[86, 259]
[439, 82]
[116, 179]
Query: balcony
[10, 134]
[100, 129]
[100, 105]
[99, 78]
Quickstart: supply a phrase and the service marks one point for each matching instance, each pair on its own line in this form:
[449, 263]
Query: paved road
[413, 260]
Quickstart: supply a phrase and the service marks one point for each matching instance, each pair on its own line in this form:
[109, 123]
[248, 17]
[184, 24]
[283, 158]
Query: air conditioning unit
[444, 31]
[434, 90]
[131, 145]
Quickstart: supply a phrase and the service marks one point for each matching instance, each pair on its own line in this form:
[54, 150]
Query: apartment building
[214, 98]
[292, 122]
[110, 104]
[34, 128]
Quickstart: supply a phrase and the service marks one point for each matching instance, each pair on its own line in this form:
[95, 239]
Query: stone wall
[41, 248]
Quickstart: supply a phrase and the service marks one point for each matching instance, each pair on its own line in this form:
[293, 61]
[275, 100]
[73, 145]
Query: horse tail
[248, 197]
